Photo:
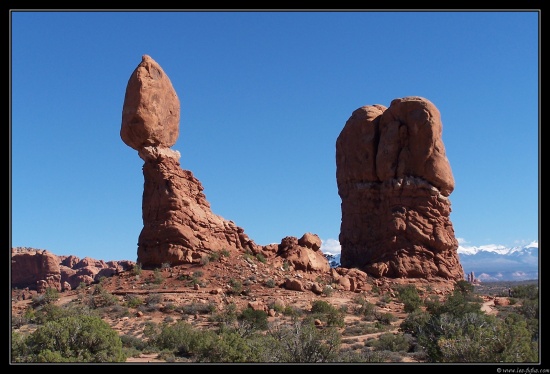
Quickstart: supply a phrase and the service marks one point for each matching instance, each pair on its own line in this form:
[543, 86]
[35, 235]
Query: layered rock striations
[394, 180]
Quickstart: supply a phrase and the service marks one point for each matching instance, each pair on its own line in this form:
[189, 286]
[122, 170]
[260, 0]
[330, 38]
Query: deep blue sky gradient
[264, 96]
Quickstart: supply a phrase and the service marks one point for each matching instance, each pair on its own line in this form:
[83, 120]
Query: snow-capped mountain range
[488, 263]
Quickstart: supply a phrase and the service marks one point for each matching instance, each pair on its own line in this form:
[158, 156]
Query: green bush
[328, 313]
[458, 331]
[51, 295]
[409, 296]
[303, 342]
[365, 309]
[133, 301]
[393, 342]
[198, 308]
[137, 269]
[251, 320]
[321, 306]
[158, 278]
[387, 318]
[328, 290]
[205, 260]
[226, 316]
[292, 311]
[236, 287]
[530, 291]
[72, 339]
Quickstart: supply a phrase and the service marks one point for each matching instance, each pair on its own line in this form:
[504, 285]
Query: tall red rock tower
[394, 180]
[178, 225]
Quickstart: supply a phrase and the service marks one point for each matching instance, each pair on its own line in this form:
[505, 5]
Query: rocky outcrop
[303, 254]
[178, 224]
[394, 180]
[39, 269]
[28, 268]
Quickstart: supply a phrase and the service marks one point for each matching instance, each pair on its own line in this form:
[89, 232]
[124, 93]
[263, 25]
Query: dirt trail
[489, 307]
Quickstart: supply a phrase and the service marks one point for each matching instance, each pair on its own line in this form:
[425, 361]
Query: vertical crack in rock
[394, 181]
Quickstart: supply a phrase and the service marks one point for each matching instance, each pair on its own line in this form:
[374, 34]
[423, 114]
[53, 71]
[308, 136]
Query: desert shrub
[153, 299]
[303, 342]
[531, 322]
[251, 320]
[328, 313]
[100, 298]
[386, 318]
[169, 307]
[360, 329]
[19, 351]
[249, 256]
[214, 256]
[529, 308]
[167, 356]
[393, 342]
[276, 307]
[53, 312]
[118, 311]
[205, 260]
[236, 286]
[409, 296]
[456, 304]
[484, 339]
[176, 338]
[457, 331]
[79, 338]
[198, 308]
[198, 274]
[321, 306]
[158, 278]
[384, 299]
[530, 291]
[133, 301]
[393, 356]
[328, 291]
[260, 257]
[137, 269]
[292, 311]
[227, 316]
[364, 356]
[464, 287]
[365, 309]
[49, 296]
[270, 283]
[130, 341]
[228, 346]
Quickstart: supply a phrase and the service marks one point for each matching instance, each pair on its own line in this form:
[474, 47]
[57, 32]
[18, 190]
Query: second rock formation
[394, 180]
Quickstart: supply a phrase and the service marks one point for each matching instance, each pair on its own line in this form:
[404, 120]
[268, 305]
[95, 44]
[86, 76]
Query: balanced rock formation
[178, 224]
[394, 180]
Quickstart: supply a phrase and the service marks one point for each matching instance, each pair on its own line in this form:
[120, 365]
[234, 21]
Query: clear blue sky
[264, 95]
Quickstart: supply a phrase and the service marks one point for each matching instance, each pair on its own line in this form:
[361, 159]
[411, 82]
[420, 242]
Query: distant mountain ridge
[497, 262]
[489, 262]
